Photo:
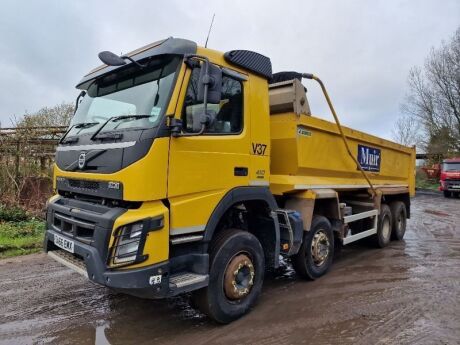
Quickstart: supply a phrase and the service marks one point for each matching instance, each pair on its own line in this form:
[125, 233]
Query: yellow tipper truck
[190, 170]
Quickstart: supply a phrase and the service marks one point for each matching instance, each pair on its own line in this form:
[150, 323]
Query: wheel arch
[315, 203]
[263, 222]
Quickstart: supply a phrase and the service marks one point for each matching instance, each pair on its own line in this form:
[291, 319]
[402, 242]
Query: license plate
[63, 243]
[457, 186]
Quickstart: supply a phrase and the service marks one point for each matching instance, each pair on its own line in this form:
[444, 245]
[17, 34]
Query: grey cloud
[363, 50]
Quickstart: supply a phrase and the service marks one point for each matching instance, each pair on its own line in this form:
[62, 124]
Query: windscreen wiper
[115, 119]
[77, 125]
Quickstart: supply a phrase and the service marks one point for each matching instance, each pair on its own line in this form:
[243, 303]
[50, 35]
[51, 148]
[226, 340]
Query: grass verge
[422, 182]
[19, 234]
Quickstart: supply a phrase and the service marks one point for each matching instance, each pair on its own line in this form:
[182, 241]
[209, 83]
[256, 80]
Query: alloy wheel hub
[239, 277]
[320, 248]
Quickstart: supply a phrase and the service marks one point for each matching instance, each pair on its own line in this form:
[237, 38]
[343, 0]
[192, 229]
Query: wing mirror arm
[209, 90]
[176, 125]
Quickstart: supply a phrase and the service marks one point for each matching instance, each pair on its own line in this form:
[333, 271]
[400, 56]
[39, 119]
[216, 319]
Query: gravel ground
[407, 293]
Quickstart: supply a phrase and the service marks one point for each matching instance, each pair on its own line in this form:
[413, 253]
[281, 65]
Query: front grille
[74, 227]
[450, 183]
[84, 184]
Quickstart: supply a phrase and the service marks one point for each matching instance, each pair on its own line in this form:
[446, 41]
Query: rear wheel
[236, 276]
[317, 250]
[399, 217]
[384, 225]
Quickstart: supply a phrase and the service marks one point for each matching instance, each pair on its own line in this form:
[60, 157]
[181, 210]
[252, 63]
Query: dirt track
[407, 293]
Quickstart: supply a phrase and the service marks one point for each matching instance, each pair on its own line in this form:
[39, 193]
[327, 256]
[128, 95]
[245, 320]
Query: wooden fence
[26, 158]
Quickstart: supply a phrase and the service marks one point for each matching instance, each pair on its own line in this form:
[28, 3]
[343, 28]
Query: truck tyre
[384, 225]
[399, 216]
[446, 193]
[236, 276]
[317, 250]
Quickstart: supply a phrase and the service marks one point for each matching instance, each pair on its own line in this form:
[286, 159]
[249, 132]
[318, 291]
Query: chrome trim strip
[259, 183]
[187, 230]
[106, 146]
[186, 239]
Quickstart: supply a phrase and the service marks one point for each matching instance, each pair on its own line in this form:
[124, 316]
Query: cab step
[187, 281]
[183, 279]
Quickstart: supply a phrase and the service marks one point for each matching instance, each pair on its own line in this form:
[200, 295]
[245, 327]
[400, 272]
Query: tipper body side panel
[308, 153]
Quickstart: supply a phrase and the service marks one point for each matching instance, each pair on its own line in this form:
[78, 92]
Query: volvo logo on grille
[81, 160]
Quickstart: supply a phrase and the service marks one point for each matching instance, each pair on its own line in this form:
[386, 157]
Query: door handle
[240, 171]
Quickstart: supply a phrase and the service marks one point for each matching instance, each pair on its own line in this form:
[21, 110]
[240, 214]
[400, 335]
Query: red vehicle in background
[450, 177]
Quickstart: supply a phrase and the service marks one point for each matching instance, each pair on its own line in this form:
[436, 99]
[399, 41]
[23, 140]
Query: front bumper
[450, 185]
[89, 226]
[141, 282]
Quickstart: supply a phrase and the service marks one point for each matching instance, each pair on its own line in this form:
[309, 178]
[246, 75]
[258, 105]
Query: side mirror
[79, 98]
[210, 83]
[111, 59]
[209, 91]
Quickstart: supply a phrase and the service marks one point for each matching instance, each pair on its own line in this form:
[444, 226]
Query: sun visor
[169, 46]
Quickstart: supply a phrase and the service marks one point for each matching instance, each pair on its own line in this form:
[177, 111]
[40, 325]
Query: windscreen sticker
[155, 111]
[369, 158]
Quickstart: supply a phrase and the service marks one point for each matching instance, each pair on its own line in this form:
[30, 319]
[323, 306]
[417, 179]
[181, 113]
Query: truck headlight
[130, 239]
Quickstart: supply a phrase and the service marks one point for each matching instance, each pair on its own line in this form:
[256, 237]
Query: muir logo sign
[369, 158]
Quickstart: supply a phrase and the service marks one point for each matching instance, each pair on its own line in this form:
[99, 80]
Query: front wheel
[446, 193]
[236, 276]
[317, 250]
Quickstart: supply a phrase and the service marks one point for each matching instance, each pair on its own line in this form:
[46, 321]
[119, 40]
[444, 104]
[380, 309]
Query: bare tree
[407, 131]
[26, 150]
[434, 97]
[58, 115]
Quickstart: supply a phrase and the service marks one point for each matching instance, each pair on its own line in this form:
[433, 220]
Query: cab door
[202, 169]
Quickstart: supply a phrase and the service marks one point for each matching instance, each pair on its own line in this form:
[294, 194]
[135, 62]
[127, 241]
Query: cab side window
[227, 115]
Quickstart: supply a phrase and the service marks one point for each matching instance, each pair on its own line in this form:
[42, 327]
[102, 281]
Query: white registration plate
[63, 243]
[456, 186]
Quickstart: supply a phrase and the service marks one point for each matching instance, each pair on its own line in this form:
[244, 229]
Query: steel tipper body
[186, 169]
[308, 153]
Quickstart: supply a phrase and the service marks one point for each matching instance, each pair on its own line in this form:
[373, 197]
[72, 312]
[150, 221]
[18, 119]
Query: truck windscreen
[453, 166]
[131, 91]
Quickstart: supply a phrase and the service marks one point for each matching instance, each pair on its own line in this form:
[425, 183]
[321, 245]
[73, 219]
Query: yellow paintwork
[201, 168]
[320, 159]
[157, 242]
[142, 181]
[194, 209]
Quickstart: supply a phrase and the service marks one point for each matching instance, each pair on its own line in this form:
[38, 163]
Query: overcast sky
[362, 50]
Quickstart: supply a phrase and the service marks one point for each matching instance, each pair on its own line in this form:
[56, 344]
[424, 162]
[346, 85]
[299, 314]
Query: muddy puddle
[407, 293]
